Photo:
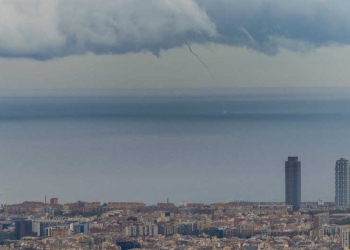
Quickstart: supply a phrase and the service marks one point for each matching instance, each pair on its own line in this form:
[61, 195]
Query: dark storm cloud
[44, 29]
[267, 25]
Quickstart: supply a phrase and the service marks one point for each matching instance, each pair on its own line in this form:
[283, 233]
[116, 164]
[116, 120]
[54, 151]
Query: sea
[198, 145]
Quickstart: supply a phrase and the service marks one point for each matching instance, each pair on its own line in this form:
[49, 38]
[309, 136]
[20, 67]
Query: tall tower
[293, 182]
[342, 183]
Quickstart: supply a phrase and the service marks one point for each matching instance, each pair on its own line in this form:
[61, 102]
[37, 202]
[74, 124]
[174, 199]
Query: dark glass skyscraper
[342, 183]
[293, 182]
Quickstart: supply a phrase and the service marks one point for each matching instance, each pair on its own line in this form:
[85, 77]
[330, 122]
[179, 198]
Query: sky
[154, 44]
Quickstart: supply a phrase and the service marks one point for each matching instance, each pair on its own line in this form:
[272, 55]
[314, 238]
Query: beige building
[345, 237]
[164, 217]
[320, 219]
[125, 205]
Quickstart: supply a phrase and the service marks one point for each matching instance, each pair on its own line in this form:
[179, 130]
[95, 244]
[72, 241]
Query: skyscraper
[342, 183]
[293, 182]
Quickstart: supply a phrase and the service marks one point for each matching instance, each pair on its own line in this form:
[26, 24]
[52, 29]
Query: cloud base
[46, 29]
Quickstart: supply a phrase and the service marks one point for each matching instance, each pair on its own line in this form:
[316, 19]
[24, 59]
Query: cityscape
[174, 124]
[225, 225]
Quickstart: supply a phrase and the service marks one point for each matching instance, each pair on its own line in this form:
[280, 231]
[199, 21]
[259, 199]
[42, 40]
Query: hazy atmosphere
[133, 100]
[198, 146]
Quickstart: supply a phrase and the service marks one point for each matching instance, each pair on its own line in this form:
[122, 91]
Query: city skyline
[174, 124]
[126, 225]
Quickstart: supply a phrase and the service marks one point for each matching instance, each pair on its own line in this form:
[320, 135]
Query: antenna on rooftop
[167, 200]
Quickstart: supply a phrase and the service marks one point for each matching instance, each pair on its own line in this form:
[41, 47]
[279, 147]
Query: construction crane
[6, 190]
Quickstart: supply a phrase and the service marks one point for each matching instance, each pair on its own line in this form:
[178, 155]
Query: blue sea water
[201, 147]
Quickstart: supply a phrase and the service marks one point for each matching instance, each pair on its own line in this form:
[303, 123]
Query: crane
[6, 190]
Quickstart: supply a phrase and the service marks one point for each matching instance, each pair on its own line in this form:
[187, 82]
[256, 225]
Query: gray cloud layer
[267, 25]
[44, 29]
